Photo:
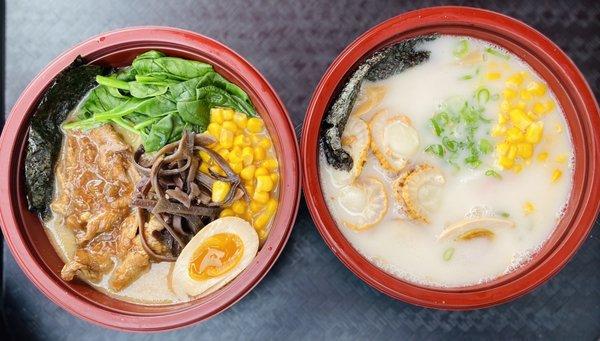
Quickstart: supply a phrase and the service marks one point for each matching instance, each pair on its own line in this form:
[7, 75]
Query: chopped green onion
[473, 161]
[436, 127]
[482, 95]
[466, 77]
[504, 214]
[450, 144]
[435, 149]
[485, 146]
[448, 254]
[461, 49]
[497, 53]
[491, 172]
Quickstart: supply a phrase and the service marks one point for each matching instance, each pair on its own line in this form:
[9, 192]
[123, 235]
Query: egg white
[183, 284]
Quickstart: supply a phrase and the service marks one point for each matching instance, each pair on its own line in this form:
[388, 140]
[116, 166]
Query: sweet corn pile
[245, 144]
[524, 103]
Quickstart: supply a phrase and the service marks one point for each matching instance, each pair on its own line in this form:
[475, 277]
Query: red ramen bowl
[581, 111]
[24, 232]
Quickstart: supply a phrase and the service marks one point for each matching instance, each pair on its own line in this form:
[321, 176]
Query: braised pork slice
[95, 181]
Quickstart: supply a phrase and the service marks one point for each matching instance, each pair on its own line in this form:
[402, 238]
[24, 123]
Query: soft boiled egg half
[215, 256]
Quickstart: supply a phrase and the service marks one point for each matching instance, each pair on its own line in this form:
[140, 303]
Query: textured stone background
[309, 293]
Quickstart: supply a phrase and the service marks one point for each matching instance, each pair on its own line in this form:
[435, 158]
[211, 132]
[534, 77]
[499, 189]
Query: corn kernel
[493, 75]
[204, 156]
[204, 168]
[521, 105]
[262, 235]
[528, 207]
[241, 140]
[256, 206]
[271, 207]
[265, 143]
[514, 80]
[248, 172]
[514, 134]
[550, 105]
[525, 150]
[534, 132]
[556, 174]
[228, 212]
[247, 156]
[250, 190]
[562, 158]
[502, 148]
[220, 189]
[509, 94]
[512, 152]
[223, 152]
[235, 155]
[260, 153]
[214, 129]
[226, 138]
[498, 130]
[261, 221]
[536, 88]
[525, 95]
[230, 126]
[236, 167]
[239, 206]
[264, 183]
[502, 118]
[543, 156]
[227, 114]
[261, 197]
[270, 164]
[506, 162]
[519, 119]
[517, 168]
[260, 171]
[255, 125]
[216, 115]
[539, 108]
[275, 177]
[240, 119]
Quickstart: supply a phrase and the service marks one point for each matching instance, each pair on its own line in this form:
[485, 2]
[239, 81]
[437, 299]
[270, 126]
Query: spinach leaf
[159, 134]
[195, 112]
[140, 90]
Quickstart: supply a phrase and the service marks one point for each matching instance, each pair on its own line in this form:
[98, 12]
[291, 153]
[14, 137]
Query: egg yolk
[217, 255]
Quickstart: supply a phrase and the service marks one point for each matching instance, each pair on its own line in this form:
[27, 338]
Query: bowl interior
[80, 298]
[504, 32]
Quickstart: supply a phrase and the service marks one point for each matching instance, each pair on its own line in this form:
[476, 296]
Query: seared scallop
[373, 95]
[482, 227]
[419, 191]
[394, 140]
[364, 202]
[355, 140]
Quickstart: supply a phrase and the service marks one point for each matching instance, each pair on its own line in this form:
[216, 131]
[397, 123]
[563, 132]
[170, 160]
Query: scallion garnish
[435, 149]
[497, 53]
[461, 49]
[493, 173]
[448, 254]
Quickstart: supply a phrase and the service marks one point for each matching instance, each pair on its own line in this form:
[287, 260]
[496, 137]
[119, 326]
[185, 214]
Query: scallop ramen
[157, 183]
[446, 161]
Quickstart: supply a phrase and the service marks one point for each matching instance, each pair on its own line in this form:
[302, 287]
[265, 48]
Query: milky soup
[446, 161]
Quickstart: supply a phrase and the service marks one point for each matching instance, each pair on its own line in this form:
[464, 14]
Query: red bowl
[23, 230]
[575, 97]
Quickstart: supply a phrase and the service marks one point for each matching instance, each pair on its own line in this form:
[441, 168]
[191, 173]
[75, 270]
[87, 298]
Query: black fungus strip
[45, 136]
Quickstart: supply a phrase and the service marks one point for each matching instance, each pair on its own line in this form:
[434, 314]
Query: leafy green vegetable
[157, 97]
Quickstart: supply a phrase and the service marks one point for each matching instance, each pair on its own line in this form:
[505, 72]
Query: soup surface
[468, 165]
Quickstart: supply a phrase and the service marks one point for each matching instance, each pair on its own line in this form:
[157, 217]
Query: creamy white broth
[412, 251]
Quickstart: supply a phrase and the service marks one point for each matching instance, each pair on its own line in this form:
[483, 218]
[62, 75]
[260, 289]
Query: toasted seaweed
[45, 136]
[380, 65]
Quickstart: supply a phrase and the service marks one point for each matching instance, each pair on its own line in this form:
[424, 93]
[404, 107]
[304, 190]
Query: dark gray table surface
[308, 294]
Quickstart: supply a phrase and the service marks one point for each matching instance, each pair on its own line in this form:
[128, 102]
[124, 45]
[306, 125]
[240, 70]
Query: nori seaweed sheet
[380, 65]
[45, 136]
